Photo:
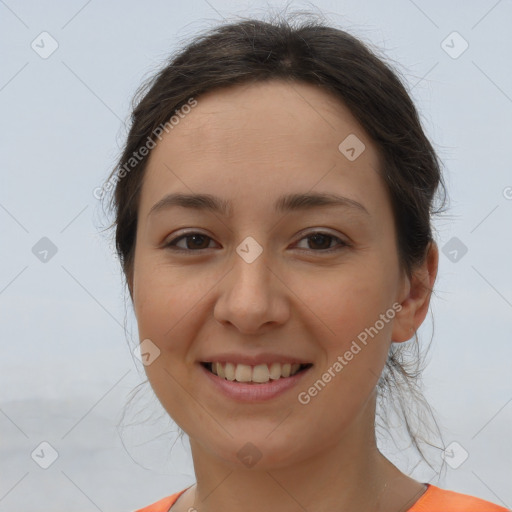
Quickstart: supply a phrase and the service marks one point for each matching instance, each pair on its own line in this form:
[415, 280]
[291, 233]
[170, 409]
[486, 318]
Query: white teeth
[260, 373]
[229, 370]
[243, 373]
[275, 371]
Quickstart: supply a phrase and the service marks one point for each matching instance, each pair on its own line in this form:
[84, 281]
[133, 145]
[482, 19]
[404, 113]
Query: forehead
[275, 112]
[260, 140]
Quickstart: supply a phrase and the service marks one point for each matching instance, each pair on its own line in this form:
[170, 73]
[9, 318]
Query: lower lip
[245, 392]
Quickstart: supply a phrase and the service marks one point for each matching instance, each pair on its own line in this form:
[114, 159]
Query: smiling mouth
[259, 374]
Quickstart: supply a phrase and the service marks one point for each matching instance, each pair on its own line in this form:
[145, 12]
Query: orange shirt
[434, 499]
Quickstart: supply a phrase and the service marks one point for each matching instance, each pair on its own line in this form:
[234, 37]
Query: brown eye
[321, 242]
[193, 241]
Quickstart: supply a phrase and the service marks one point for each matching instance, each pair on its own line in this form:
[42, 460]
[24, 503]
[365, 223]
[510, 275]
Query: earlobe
[417, 299]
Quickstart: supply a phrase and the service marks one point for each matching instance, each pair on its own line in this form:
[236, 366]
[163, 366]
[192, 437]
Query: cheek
[345, 305]
[161, 307]
[169, 306]
[348, 311]
[155, 301]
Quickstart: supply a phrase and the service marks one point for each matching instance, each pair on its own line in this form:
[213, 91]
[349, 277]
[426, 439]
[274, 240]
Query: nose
[252, 297]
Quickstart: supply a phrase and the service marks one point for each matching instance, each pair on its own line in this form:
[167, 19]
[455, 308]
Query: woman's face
[255, 285]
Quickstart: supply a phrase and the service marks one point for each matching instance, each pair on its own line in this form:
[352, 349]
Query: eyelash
[342, 244]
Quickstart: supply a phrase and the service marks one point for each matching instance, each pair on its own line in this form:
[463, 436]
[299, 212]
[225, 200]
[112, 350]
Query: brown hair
[249, 51]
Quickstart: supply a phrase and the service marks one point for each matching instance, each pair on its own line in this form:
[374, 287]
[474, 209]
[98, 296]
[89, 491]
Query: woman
[273, 220]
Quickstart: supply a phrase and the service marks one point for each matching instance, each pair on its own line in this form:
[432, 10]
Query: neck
[349, 474]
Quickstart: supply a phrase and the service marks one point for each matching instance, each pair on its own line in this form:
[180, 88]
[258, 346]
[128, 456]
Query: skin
[249, 144]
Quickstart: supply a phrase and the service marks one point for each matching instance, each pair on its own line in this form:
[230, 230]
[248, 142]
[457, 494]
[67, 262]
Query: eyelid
[171, 244]
[167, 243]
[323, 231]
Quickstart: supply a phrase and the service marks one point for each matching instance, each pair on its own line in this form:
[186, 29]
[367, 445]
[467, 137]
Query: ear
[415, 297]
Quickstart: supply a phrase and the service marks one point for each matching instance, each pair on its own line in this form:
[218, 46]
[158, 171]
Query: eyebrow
[286, 203]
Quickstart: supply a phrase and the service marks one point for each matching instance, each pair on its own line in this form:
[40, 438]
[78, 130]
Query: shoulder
[162, 505]
[436, 499]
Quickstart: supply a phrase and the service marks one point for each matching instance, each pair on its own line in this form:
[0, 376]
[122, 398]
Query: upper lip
[253, 360]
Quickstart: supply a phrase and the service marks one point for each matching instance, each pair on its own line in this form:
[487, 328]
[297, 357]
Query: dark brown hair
[309, 51]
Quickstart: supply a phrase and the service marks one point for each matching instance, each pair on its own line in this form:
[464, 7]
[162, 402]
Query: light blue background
[66, 364]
